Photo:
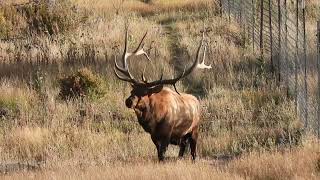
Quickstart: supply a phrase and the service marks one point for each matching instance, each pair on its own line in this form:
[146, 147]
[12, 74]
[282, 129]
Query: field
[62, 109]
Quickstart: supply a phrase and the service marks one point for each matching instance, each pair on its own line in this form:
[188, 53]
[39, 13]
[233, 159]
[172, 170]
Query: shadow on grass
[6, 168]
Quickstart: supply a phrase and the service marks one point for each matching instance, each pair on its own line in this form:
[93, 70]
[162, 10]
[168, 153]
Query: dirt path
[178, 54]
[180, 57]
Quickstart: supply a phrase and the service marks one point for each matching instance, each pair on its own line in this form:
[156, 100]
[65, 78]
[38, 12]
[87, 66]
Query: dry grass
[93, 44]
[312, 7]
[120, 7]
[99, 139]
[297, 163]
[185, 5]
[153, 7]
[252, 123]
[175, 170]
[27, 143]
[224, 51]
[14, 2]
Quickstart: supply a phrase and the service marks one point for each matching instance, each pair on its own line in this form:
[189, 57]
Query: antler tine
[204, 53]
[202, 65]
[139, 50]
[196, 62]
[141, 42]
[122, 78]
[124, 55]
[124, 70]
[143, 78]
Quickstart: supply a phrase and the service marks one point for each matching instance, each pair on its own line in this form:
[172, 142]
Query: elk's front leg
[162, 150]
[161, 146]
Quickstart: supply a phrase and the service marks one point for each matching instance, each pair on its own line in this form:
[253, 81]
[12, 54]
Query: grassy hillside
[249, 128]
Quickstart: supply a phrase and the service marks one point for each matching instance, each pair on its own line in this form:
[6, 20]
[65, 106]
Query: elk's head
[141, 89]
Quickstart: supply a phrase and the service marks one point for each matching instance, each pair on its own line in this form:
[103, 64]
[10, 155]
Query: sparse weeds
[248, 121]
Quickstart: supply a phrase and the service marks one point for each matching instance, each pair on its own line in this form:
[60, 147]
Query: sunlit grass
[99, 139]
[298, 163]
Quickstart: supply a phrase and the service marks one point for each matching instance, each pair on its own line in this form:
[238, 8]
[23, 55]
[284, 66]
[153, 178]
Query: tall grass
[242, 115]
[300, 163]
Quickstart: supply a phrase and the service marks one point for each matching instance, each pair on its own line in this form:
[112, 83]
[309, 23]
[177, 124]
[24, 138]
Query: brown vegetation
[249, 128]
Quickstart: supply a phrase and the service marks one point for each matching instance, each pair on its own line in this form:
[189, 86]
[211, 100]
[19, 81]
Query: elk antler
[184, 73]
[125, 69]
[139, 51]
[202, 65]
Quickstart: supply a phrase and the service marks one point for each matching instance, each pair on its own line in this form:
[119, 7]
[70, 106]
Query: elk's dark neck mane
[141, 111]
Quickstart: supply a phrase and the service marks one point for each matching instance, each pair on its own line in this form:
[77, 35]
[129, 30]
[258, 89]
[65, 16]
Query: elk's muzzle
[129, 103]
[132, 101]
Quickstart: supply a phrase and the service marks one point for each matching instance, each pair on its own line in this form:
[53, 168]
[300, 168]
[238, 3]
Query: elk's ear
[155, 89]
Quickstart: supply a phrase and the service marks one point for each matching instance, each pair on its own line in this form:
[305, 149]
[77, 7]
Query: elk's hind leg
[193, 144]
[182, 148]
[183, 144]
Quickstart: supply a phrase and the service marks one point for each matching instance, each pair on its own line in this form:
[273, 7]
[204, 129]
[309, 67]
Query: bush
[8, 108]
[15, 101]
[81, 84]
[38, 18]
[52, 18]
[11, 22]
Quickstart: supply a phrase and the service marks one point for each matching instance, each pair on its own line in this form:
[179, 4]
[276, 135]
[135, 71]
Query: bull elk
[169, 116]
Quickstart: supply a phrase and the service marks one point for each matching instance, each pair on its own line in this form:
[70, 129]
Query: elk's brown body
[169, 117]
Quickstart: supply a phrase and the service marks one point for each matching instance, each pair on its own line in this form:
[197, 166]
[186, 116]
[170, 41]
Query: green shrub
[82, 84]
[8, 108]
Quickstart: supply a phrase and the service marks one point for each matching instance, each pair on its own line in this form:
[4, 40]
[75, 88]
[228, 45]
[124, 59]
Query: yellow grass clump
[299, 163]
[27, 143]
